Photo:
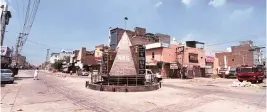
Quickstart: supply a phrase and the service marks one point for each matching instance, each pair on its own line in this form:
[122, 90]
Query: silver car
[6, 76]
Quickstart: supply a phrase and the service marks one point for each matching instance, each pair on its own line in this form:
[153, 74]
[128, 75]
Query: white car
[82, 73]
[7, 76]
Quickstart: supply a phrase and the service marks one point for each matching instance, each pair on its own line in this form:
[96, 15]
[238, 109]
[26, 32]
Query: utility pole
[18, 44]
[47, 57]
[181, 52]
[5, 15]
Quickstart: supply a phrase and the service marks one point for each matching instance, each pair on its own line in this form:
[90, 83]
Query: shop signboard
[142, 59]
[105, 63]
[173, 66]
[5, 51]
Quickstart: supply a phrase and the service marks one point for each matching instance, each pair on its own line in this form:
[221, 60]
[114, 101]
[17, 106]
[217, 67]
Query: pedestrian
[35, 76]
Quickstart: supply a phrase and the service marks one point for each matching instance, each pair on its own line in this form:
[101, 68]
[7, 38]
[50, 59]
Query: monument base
[134, 83]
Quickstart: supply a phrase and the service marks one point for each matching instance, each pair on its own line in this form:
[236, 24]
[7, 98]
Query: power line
[227, 42]
[47, 46]
[17, 4]
[32, 9]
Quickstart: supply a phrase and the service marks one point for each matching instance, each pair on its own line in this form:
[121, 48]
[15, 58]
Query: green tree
[57, 65]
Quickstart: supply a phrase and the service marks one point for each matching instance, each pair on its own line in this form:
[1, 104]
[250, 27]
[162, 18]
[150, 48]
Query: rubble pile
[243, 84]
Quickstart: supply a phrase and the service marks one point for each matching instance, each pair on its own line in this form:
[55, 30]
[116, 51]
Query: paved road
[68, 94]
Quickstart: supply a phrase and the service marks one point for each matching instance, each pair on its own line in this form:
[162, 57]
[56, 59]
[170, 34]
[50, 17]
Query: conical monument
[123, 64]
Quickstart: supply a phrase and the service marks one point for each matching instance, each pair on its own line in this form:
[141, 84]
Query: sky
[65, 24]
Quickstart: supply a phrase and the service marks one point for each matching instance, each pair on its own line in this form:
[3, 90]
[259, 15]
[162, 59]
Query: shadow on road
[3, 84]
[21, 78]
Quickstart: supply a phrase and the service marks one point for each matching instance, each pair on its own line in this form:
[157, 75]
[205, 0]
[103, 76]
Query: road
[68, 94]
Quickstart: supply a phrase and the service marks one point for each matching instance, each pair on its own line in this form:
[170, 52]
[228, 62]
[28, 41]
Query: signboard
[105, 64]
[173, 66]
[5, 51]
[209, 59]
[142, 59]
[193, 58]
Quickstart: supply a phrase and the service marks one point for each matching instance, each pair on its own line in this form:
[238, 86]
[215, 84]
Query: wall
[240, 55]
[169, 54]
[157, 54]
[201, 56]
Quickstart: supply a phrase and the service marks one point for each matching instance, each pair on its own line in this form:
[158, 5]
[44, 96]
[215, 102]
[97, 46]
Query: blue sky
[70, 24]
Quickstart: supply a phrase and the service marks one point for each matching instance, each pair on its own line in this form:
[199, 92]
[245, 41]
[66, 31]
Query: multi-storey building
[243, 54]
[138, 37]
[62, 55]
[169, 59]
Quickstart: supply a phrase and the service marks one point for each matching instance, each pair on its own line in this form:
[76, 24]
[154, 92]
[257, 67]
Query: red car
[250, 73]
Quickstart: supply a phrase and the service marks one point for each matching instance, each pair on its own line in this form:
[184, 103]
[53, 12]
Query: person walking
[35, 76]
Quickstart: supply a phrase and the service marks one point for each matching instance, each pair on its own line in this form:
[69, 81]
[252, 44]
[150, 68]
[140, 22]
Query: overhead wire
[30, 15]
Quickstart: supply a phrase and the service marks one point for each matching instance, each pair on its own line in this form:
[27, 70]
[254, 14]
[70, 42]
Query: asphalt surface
[68, 94]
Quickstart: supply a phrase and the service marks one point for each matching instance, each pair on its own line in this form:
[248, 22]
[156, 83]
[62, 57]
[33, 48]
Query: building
[54, 57]
[243, 54]
[168, 60]
[5, 56]
[211, 66]
[85, 58]
[21, 60]
[138, 37]
[62, 55]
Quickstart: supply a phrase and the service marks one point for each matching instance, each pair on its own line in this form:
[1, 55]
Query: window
[193, 58]
[153, 55]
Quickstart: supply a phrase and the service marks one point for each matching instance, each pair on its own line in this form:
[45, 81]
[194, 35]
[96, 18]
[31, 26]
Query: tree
[57, 65]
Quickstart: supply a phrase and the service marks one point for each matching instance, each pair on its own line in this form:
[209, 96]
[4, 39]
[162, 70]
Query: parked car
[82, 73]
[7, 76]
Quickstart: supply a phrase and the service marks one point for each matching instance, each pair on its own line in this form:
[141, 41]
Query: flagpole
[125, 21]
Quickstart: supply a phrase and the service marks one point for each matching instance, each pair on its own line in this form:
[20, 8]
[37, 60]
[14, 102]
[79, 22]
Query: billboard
[5, 51]
[142, 59]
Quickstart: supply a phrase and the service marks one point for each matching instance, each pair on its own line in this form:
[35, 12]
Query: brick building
[239, 55]
[138, 37]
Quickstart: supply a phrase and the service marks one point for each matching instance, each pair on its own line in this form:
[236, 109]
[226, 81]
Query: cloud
[217, 3]
[158, 4]
[187, 2]
[244, 14]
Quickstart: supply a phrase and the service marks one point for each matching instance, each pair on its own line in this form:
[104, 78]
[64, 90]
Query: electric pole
[47, 55]
[5, 15]
[181, 52]
[18, 45]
